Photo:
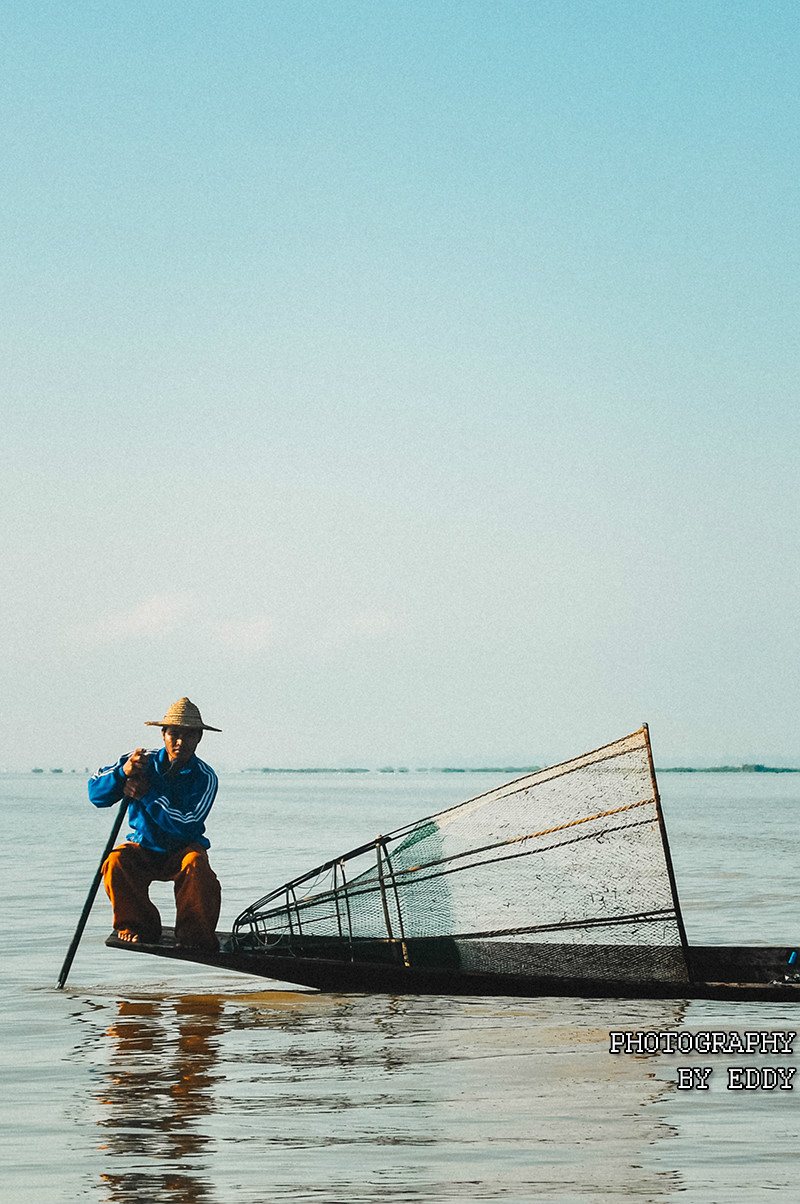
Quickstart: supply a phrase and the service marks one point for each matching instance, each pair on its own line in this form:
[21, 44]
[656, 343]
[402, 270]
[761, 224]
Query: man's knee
[195, 865]
[196, 860]
[127, 857]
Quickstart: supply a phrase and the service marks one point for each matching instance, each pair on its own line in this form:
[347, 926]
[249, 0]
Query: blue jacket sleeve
[105, 787]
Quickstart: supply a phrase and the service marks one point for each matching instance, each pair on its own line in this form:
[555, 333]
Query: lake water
[146, 1080]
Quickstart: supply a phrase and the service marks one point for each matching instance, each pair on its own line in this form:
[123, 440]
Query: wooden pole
[87, 907]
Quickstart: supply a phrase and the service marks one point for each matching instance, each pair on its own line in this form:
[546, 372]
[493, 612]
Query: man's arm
[129, 776]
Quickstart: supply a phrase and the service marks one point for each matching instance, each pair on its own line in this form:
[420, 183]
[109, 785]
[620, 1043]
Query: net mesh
[562, 873]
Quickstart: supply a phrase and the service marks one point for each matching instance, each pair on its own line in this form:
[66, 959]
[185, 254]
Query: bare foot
[125, 934]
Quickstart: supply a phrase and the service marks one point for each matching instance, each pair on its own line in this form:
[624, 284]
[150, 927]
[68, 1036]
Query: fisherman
[171, 792]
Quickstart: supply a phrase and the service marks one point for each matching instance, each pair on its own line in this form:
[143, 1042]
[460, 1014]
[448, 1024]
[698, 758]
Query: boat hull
[717, 972]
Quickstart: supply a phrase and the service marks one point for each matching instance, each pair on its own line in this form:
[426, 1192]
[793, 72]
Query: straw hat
[182, 713]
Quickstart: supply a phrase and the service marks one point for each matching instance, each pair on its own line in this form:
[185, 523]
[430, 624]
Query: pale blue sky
[408, 383]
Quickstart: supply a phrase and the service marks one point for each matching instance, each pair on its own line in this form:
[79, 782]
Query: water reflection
[309, 1097]
[158, 1089]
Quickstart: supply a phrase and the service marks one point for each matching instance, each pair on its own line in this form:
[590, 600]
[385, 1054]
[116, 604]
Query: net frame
[321, 913]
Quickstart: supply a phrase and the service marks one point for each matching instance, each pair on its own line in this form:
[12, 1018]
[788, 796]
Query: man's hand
[137, 771]
[138, 763]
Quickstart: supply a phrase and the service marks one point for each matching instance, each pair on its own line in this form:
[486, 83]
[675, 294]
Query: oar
[87, 907]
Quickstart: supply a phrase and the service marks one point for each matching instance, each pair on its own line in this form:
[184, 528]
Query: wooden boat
[717, 972]
[559, 883]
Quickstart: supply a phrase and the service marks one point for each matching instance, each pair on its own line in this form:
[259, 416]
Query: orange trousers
[127, 873]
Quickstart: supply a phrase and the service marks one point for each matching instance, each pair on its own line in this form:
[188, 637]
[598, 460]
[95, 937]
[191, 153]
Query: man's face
[180, 742]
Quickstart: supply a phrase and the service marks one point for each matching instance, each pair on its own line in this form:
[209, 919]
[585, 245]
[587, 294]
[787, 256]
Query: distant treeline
[270, 769]
[522, 769]
[509, 770]
[404, 769]
[728, 769]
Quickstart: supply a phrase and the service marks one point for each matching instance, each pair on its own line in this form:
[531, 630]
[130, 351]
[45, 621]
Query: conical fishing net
[563, 873]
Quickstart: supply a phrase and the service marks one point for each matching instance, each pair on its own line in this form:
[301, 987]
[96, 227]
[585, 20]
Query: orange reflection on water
[158, 1087]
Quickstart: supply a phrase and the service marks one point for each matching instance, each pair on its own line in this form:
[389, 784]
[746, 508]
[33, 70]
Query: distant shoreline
[728, 769]
[509, 770]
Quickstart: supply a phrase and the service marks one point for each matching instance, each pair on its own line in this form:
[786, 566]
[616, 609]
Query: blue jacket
[172, 814]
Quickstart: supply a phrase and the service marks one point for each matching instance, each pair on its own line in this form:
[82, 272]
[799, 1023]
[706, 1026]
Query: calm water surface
[146, 1081]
